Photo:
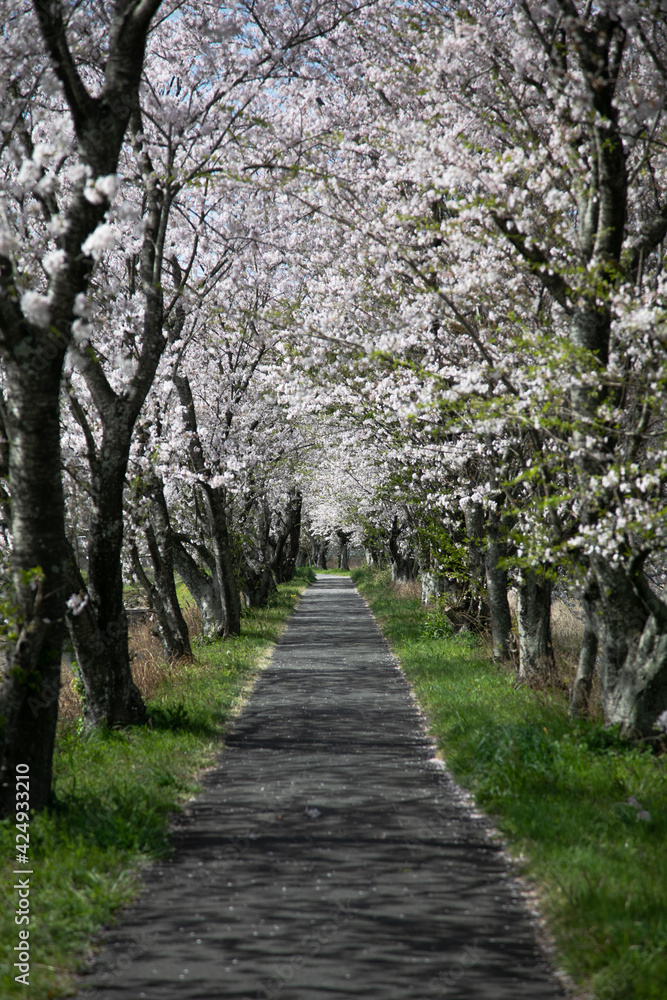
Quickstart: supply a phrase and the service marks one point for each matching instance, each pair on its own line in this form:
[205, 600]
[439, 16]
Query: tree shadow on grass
[179, 718]
[120, 819]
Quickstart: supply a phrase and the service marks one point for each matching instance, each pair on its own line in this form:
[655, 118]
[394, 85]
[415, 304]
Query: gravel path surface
[327, 856]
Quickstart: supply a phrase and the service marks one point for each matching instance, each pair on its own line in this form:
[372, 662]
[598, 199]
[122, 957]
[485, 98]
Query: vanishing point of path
[327, 856]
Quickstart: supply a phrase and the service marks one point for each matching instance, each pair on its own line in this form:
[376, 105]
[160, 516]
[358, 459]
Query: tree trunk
[100, 638]
[33, 359]
[403, 567]
[162, 599]
[257, 579]
[116, 700]
[433, 586]
[496, 589]
[294, 539]
[99, 634]
[216, 515]
[31, 675]
[343, 550]
[373, 557]
[629, 619]
[474, 602]
[302, 558]
[536, 658]
[434, 583]
[583, 682]
[258, 585]
[287, 545]
[319, 554]
[214, 505]
[159, 536]
[203, 589]
[473, 514]
[630, 622]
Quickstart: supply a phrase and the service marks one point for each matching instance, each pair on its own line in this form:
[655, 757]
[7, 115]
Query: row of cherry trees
[493, 274]
[143, 267]
[392, 270]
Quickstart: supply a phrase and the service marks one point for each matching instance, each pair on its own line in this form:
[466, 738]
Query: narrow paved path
[326, 857]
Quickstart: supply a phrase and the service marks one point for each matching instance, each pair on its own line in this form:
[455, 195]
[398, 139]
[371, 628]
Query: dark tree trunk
[473, 605]
[496, 589]
[630, 622]
[343, 550]
[113, 699]
[159, 536]
[214, 505]
[319, 554]
[203, 588]
[162, 599]
[33, 360]
[216, 515]
[302, 558]
[110, 696]
[258, 580]
[258, 585]
[116, 700]
[628, 618]
[536, 657]
[31, 675]
[583, 682]
[287, 544]
[403, 565]
[294, 541]
[100, 633]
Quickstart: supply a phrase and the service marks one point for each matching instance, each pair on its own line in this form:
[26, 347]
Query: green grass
[558, 791]
[114, 793]
[331, 572]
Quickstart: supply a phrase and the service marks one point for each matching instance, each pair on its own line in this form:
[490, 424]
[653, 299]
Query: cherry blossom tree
[231, 490]
[501, 177]
[71, 85]
[64, 123]
[191, 142]
[566, 115]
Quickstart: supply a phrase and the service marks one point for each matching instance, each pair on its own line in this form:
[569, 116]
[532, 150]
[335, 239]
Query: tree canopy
[275, 277]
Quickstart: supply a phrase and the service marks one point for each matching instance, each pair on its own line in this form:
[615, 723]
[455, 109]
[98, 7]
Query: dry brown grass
[567, 633]
[69, 703]
[149, 667]
[409, 591]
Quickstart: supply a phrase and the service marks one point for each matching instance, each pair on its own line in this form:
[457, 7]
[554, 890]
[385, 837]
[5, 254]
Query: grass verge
[332, 572]
[584, 812]
[115, 792]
